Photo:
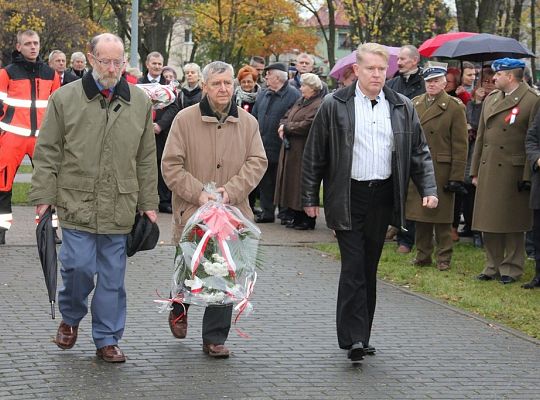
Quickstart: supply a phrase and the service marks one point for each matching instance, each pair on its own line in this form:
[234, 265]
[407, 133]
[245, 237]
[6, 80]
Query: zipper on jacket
[33, 110]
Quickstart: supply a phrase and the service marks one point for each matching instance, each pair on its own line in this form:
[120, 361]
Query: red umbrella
[431, 45]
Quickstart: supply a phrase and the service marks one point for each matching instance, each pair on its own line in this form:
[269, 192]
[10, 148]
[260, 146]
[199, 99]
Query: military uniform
[501, 208]
[445, 128]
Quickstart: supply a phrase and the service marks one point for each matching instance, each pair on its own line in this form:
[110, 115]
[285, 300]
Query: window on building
[188, 37]
[344, 41]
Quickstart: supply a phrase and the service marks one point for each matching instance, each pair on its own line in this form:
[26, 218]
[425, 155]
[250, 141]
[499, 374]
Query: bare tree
[327, 30]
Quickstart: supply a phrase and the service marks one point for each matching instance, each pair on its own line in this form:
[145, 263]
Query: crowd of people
[407, 157]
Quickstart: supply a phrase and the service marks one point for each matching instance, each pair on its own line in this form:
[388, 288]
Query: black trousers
[361, 247]
[216, 322]
[163, 190]
[536, 239]
[407, 238]
[267, 187]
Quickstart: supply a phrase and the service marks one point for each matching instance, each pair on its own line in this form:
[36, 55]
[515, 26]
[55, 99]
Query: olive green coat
[500, 164]
[94, 160]
[445, 128]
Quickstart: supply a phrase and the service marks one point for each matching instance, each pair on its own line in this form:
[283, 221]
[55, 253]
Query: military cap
[506, 64]
[434, 69]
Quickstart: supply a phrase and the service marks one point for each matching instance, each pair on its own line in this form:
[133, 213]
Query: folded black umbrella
[46, 245]
[143, 236]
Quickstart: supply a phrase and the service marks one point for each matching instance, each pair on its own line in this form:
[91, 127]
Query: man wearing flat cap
[271, 105]
[500, 172]
[445, 128]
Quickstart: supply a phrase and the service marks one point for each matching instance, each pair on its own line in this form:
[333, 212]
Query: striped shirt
[373, 138]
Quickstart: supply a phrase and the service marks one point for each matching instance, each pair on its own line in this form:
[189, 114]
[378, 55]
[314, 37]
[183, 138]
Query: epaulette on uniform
[493, 92]
[534, 90]
[457, 100]
[416, 99]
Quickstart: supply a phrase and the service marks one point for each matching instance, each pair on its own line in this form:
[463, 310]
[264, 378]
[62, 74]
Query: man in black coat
[57, 61]
[270, 106]
[365, 143]
[163, 119]
[532, 148]
[409, 82]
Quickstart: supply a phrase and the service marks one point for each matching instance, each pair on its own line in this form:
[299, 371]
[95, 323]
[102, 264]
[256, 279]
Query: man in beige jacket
[213, 141]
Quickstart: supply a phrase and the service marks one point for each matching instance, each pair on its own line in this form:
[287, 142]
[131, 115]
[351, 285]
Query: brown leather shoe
[421, 263]
[443, 266]
[111, 354]
[216, 350]
[454, 234]
[178, 325]
[66, 336]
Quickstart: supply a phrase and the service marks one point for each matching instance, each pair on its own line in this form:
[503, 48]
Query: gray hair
[413, 51]
[106, 37]
[281, 75]
[53, 53]
[77, 56]
[154, 54]
[312, 81]
[306, 55]
[216, 67]
[195, 67]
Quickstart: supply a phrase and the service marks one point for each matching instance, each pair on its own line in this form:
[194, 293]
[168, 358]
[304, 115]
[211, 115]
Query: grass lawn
[25, 169]
[508, 304]
[20, 194]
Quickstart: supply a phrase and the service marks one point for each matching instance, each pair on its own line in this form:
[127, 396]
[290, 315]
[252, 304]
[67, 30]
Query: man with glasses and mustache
[95, 160]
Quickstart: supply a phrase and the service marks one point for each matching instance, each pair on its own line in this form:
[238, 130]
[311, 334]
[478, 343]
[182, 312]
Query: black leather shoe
[165, 208]
[264, 220]
[484, 277]
[535, 282]
[287, 222]
[304, 226]
[369, 350]
[465, 233]
[477, 240]
[356, 352]
[505, 280]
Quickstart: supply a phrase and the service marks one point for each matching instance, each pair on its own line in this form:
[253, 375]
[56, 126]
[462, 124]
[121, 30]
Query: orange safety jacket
[25, 88]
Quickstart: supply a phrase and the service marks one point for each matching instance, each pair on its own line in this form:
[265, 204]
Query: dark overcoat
[445, 128]
[532, 147]
[499, 161]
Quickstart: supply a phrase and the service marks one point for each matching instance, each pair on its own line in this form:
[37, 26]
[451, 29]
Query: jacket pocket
[518, 160]
[126, 201]
[76, 199]
[444, 158]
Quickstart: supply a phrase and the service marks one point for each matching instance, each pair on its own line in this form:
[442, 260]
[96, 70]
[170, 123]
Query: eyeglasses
[107, 63]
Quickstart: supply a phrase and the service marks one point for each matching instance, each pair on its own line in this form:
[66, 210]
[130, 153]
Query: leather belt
[372, 183]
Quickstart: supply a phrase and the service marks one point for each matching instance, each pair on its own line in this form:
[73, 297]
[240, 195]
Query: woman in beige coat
[445, 127]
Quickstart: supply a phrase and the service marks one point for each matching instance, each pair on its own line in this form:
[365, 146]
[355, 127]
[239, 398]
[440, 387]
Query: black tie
[373, 102]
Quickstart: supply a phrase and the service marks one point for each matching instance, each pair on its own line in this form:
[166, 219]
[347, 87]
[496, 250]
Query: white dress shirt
[373, 138]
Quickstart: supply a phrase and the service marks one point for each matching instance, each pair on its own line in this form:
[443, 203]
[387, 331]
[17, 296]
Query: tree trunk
[516, 18]
[487, 15]
[331, 43]
[533, 40]
[466, 15]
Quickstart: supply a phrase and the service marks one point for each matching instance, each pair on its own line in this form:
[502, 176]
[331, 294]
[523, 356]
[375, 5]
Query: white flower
[209, 298]
[193, 283]
[218, 258]
[216, 269]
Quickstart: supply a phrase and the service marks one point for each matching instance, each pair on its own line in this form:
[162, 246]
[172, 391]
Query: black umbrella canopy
[47, 254]
[483, 47]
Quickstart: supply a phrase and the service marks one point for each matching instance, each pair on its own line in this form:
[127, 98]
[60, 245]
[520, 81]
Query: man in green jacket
[95, 161]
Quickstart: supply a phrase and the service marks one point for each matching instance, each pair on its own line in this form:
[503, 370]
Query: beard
[106, 80]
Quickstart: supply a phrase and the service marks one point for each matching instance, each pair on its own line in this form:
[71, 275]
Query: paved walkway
[425, 350]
